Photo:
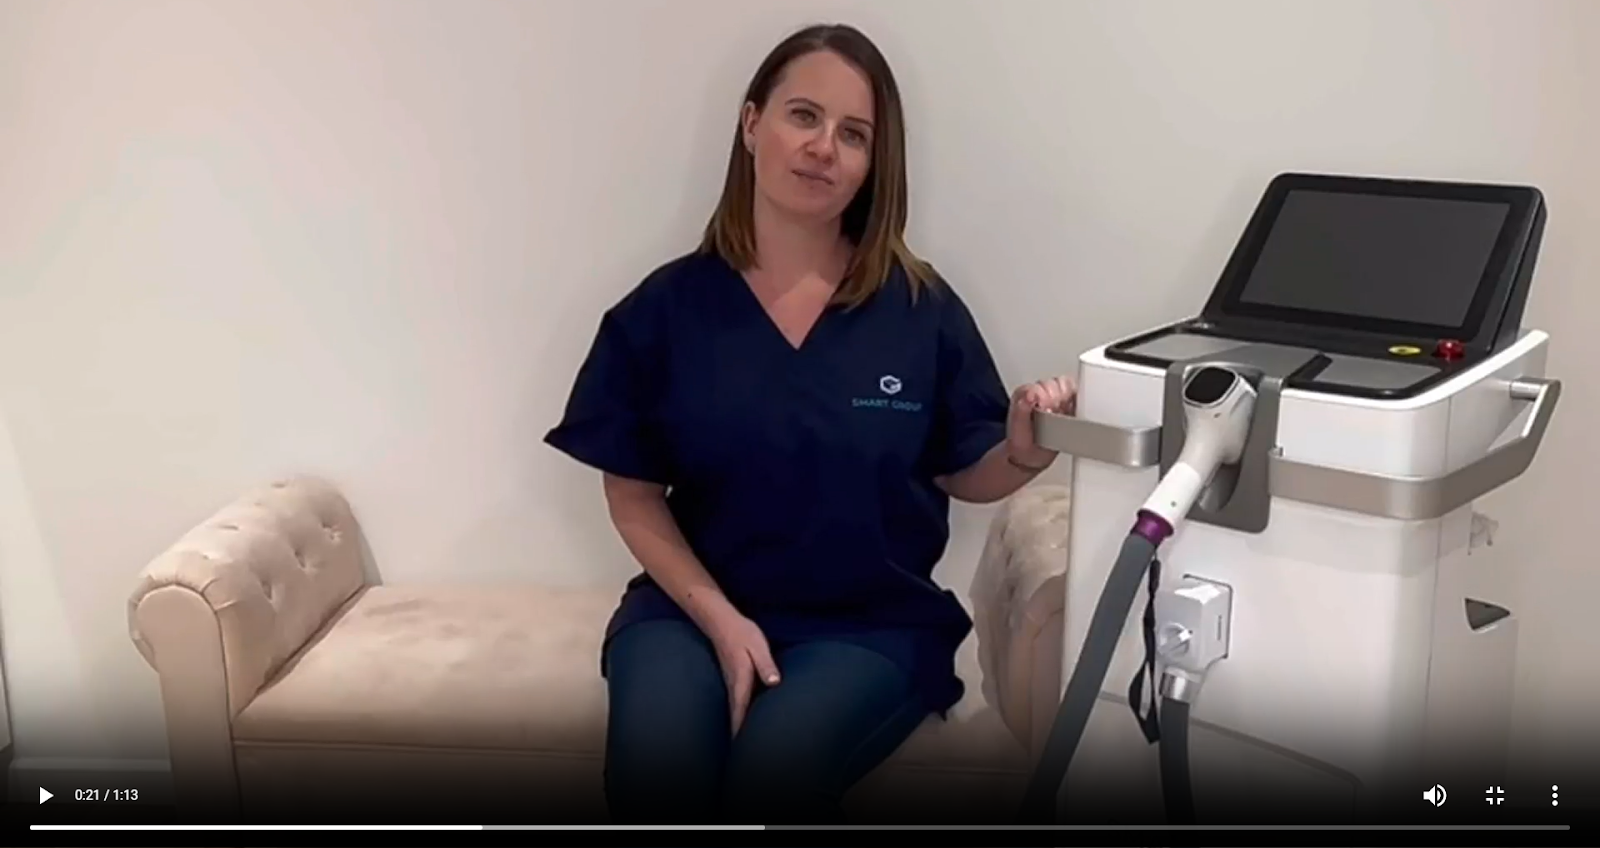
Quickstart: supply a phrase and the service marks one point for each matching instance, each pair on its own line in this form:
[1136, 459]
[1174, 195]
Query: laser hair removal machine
[1301, 624]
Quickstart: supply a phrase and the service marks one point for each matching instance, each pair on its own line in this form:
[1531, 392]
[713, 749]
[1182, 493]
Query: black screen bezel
[1488, 302]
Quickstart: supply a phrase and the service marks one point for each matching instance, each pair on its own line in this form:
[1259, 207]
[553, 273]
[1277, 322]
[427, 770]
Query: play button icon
[44, 795]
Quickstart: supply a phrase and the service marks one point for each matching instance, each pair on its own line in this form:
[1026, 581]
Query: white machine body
[1355, 667]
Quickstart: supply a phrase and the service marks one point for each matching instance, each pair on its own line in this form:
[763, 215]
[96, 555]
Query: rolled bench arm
[1018, 597]
[219, 612]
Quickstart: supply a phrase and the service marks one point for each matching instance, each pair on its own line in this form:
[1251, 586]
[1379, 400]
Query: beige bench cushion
[510, 669]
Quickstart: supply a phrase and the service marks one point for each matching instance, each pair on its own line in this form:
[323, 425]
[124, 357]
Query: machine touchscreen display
[1417, 260]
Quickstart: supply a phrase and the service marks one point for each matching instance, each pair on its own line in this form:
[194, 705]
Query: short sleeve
[605, 424]
[973, 402]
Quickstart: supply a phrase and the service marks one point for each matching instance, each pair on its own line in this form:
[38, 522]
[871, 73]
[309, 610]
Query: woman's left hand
[1058, 395]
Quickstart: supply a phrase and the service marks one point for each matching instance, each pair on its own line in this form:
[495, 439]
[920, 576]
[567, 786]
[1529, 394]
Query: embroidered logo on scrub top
[889, 384]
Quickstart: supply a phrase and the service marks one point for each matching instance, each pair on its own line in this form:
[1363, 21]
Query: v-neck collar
[748, 295]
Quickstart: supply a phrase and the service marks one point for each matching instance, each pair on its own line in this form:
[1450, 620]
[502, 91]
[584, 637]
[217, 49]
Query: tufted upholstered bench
[295, 690]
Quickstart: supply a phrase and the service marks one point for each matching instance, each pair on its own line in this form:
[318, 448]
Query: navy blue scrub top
[803, 478]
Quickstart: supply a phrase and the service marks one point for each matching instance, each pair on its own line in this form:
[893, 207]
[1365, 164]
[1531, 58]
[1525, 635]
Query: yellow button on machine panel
[1405, 350]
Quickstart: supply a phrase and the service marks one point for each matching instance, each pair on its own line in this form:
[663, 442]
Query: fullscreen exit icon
[1494, 795]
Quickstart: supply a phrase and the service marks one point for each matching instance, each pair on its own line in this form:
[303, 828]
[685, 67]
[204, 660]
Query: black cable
[1083, 689]
[1177, 788]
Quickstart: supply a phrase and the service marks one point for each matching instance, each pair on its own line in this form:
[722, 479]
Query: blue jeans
[671, 756]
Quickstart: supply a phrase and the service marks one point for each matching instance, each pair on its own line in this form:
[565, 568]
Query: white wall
[371, 240]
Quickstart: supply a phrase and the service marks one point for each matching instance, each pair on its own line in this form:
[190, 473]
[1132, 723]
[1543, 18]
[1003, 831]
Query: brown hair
[875, 220]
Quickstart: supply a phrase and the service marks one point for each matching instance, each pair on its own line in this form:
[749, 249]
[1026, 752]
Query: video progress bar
[396, 828]
[255, 828]
[554, 827]
[1180, 827]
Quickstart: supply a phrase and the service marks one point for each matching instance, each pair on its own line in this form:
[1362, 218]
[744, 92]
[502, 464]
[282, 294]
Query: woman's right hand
[639, 511]
[743, 652]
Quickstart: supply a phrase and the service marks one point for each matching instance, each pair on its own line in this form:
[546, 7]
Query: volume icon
[1435, 795]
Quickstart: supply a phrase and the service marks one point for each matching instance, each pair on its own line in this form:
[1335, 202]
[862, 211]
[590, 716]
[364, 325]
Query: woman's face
[812, 142]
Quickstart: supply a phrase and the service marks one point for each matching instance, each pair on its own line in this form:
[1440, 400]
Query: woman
[781, 418]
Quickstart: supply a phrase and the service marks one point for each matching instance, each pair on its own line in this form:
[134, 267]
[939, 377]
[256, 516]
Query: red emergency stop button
[1450, 350]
